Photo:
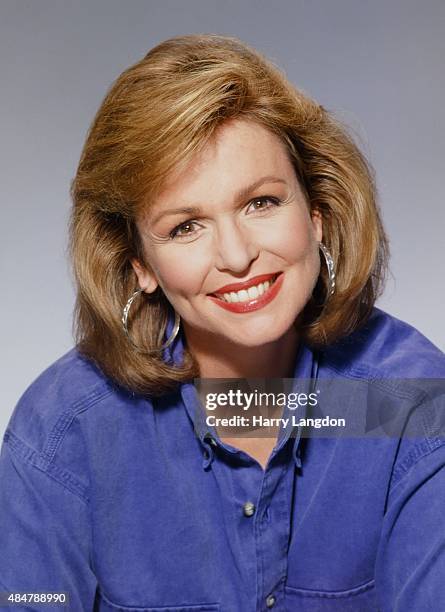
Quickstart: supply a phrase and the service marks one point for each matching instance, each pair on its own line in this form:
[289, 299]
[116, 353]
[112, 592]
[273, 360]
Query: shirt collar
[305, 376]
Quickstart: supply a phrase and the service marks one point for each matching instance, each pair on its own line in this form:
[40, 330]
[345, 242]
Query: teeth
[253, 292]
[246, 295]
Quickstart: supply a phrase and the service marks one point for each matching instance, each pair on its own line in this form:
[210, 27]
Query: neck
[221, 358]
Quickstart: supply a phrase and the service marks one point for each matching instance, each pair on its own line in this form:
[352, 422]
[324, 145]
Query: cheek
[292, 237]
[180, 270]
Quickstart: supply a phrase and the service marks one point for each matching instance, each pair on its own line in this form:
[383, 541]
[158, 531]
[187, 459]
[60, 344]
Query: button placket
[271, 544]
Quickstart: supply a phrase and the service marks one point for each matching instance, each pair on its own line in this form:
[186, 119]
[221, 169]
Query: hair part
[157, 115]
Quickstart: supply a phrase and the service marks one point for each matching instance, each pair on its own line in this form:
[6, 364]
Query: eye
[189, 228]
[263, 203]
[183, 230]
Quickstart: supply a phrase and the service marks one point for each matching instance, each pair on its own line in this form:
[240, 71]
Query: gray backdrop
[378, 64]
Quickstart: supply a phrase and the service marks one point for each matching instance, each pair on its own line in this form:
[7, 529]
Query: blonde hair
[166, 108]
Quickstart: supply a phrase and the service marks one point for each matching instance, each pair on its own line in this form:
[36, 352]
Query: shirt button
[249, 509]
[208, 436]
[270, 601]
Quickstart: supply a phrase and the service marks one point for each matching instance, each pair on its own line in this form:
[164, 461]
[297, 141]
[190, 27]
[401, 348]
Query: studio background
[378, 65]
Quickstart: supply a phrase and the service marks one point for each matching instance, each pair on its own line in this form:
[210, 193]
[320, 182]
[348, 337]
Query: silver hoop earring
[124, 320]
[331, 269]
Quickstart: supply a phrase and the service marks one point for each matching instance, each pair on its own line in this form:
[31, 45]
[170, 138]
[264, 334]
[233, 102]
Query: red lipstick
[255, 303]
[261, 278]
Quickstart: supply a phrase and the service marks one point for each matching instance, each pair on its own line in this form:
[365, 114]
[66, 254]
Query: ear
[147, 280]
[317, 224]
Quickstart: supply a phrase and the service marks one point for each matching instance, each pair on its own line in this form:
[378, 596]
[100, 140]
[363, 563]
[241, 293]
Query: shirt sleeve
[410, 566]
[45, 534]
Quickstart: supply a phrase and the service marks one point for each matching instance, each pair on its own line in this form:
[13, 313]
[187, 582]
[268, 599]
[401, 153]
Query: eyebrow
[240, 195]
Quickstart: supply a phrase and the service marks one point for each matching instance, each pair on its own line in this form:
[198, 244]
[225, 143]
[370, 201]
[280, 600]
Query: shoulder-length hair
[162, 111]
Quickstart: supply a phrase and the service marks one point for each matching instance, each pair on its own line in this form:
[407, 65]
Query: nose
[235, 247]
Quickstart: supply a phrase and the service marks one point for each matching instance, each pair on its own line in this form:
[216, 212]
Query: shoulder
[59, 414]
[402, 370]
[386, 347]
[404, 376]
[65, 388]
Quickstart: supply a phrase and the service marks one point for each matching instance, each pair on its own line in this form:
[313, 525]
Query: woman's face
[231, 242]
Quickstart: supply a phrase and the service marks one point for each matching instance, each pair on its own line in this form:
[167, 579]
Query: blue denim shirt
[114, 498]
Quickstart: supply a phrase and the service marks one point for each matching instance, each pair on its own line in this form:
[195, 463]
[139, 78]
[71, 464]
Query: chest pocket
[359, 599]
[103, 604]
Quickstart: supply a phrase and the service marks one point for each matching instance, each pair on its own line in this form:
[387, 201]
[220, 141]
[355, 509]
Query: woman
[224, 228]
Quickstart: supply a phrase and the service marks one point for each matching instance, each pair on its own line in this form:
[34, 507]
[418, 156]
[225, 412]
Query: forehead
[240, 153]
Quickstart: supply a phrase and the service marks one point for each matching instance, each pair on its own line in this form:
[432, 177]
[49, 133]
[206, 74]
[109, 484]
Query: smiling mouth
[247, 294]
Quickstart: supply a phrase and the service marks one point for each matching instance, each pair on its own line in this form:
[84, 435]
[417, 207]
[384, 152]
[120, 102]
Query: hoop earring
[331, 269]
[124, 320]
